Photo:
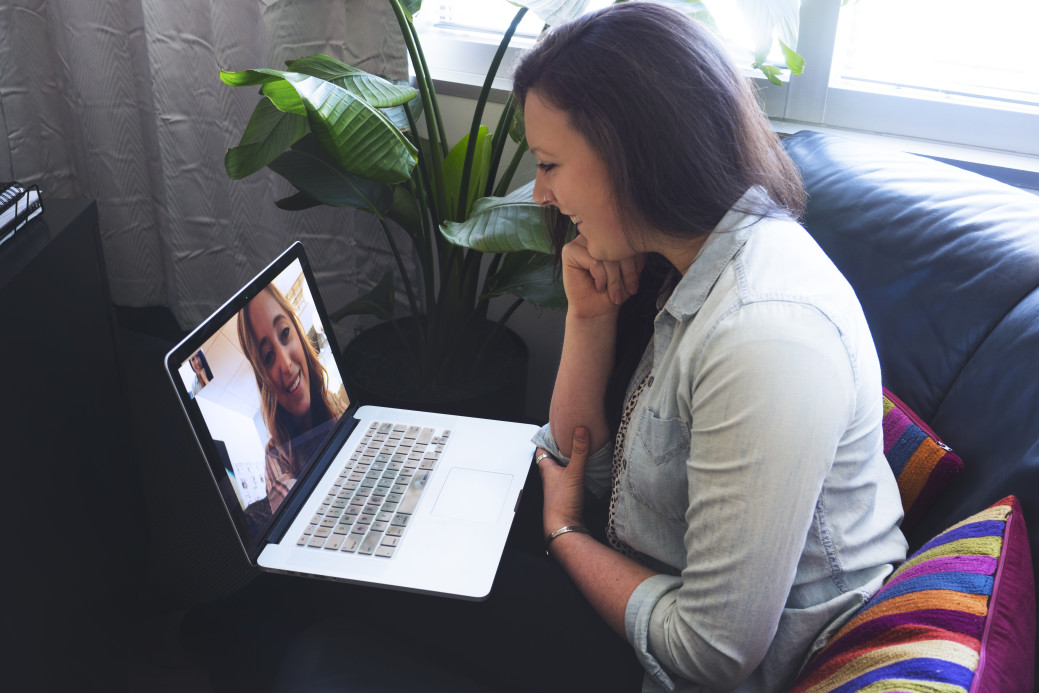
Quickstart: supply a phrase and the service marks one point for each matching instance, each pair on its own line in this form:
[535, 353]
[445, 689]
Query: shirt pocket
[657, 465]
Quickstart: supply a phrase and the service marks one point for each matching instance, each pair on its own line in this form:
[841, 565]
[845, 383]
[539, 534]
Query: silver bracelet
[564, 530]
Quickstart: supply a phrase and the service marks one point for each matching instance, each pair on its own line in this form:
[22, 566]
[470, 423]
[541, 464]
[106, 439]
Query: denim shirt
[755, 469]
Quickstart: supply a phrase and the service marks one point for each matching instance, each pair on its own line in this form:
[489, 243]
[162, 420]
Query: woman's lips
[295, 383]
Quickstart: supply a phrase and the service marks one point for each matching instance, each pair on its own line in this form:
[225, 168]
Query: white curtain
[120, 101]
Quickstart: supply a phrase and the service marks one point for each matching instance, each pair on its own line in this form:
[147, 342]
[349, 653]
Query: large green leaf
[452, 168]
[360, 138]
[272, 84]
[269, 132]
[376, 91]
[377, 302]
[330, 185]
[504, 224]
[530, 276]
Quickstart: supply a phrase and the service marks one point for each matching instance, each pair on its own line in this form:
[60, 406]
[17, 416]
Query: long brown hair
[323, 406]
[678, 128]
[676, 123]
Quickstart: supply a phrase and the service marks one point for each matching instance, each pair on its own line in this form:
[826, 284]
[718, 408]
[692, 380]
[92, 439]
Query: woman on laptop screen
[296, 405]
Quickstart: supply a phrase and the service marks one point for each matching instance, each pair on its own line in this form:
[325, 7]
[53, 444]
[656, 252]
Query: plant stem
[506, 178]
[481, 103]
[484, 302]
[432, 109]
[493, 336]
[501, 134]
[400, 264]
[418, 61]
[429, 228]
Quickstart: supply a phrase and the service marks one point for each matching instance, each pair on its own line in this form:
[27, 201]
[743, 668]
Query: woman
[296, 406]
[715, 363]
[718, 389]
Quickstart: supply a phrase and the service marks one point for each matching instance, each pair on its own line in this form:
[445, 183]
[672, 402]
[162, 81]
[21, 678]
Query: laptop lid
[222, 370]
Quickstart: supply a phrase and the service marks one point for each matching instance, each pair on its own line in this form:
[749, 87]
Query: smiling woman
[294, 400]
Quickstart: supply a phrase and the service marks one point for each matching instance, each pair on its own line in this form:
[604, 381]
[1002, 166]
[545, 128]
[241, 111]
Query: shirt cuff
[599, 469]
[638, 615]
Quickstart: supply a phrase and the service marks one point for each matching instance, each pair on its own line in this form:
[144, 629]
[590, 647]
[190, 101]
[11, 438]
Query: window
[947, 71]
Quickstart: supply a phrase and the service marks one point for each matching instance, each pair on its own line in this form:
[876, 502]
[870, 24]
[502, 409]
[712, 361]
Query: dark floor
[159, 663]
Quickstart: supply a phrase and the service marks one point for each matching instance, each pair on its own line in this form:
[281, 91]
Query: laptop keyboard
[368, 507]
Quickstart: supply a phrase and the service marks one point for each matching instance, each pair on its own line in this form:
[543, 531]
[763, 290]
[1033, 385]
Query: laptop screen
[268, 391]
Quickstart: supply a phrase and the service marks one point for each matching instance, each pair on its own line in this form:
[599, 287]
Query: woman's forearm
[584, 368]
[605, 577]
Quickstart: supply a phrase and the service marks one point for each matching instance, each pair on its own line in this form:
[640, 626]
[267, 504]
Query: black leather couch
[946, 265]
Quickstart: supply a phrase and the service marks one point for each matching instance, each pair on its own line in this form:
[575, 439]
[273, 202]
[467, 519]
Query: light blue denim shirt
[755, 467]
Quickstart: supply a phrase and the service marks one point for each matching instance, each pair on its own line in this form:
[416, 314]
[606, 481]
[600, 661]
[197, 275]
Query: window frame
[1005, 138]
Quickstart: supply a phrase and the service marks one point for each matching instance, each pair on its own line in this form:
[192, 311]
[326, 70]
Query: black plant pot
[381, 370]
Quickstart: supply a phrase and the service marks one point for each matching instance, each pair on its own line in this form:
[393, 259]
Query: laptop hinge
[302, 488]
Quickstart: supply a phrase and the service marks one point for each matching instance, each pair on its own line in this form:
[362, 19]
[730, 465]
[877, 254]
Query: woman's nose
[284, 362]
[541, 194]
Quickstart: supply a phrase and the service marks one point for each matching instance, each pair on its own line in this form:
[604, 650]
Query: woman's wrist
[565, 529]
[605, 321]
[560, 520]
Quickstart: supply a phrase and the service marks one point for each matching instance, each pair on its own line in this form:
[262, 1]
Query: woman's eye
[546, 167]
[267, 358]
[284, 335]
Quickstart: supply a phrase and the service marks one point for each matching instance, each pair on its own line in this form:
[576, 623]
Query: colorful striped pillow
[922, 463]
[958, 615]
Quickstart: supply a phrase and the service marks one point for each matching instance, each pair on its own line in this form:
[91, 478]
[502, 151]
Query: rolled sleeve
[638, 620]
[598, 469]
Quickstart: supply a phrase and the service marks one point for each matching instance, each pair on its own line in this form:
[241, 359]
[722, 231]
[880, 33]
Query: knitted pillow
[958, 615]
[922, 463]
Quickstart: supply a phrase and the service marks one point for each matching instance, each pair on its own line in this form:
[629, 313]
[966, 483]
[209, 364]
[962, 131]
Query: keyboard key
[385, 551]
[371, 541]
[415, 489]
[350, 543]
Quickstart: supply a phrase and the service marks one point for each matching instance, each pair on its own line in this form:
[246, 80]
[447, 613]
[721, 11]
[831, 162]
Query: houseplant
[347, 138]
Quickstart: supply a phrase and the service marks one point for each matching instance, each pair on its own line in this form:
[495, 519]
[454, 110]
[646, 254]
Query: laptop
[317, 484]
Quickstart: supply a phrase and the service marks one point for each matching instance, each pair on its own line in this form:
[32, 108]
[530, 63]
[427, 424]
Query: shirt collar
[720, 246]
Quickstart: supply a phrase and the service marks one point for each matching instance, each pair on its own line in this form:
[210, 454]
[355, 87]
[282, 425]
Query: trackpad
[472, 495]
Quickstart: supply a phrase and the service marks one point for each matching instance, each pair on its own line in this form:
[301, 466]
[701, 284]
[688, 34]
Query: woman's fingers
[564, 486]
[579, 454]
[618, 279]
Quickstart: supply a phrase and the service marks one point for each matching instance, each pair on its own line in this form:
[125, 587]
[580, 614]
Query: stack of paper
[18, 204]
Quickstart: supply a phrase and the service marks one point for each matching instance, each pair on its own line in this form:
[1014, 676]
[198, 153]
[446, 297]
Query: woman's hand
[564, 486]
[595, 287]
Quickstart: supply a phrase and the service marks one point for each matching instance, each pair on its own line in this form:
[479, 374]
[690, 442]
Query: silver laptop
[318, 485]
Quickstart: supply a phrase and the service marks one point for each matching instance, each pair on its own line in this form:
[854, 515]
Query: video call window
[269, 390]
